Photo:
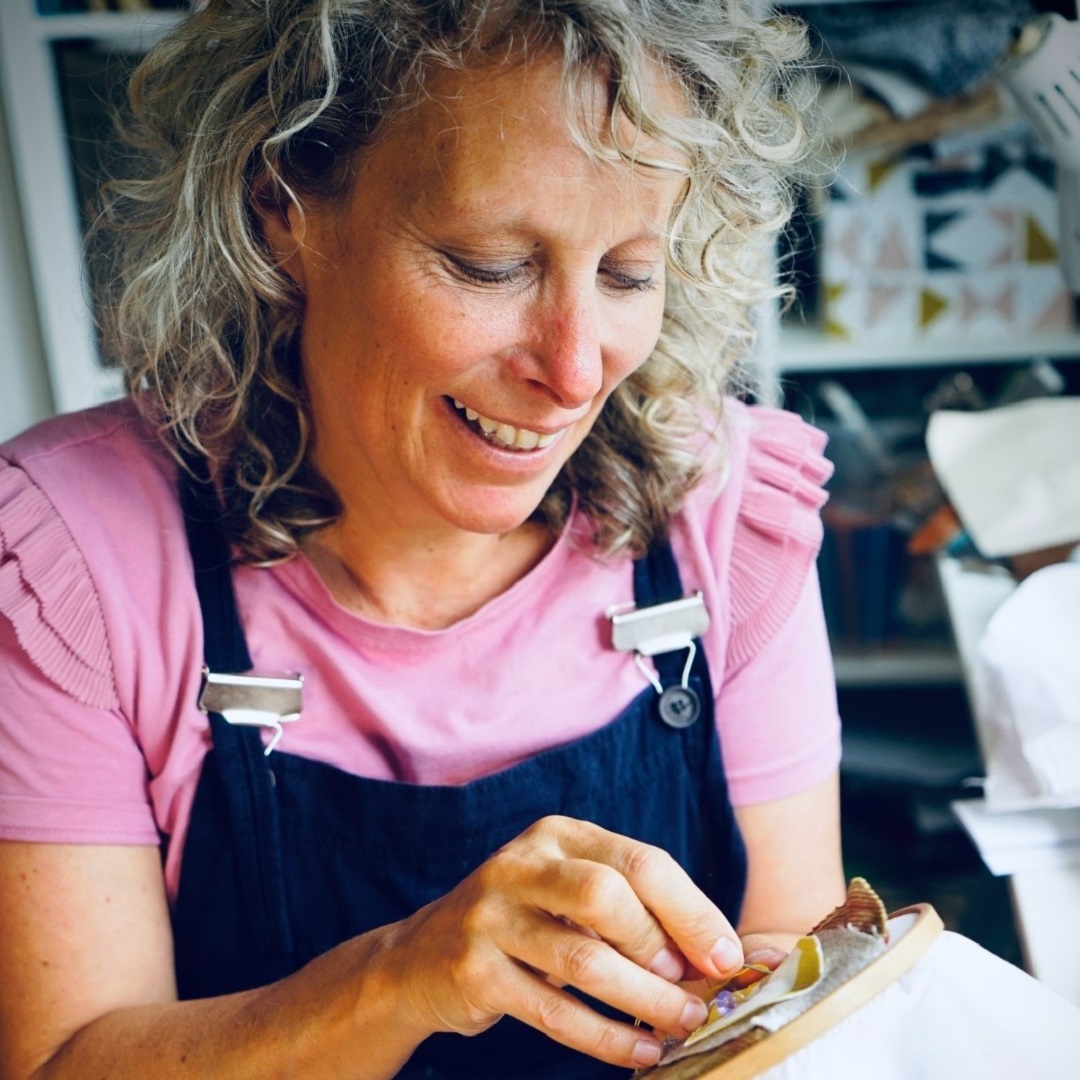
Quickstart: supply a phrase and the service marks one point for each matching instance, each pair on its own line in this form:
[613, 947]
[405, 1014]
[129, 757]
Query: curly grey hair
[247, 97]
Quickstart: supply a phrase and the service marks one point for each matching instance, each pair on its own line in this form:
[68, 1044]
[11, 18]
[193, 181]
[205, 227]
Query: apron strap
[656, 577]
[224, 647]
[246, 777]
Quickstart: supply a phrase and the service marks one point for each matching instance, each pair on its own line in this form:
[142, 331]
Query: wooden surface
[898, 958]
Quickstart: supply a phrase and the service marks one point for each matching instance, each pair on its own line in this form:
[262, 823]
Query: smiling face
[471, 306]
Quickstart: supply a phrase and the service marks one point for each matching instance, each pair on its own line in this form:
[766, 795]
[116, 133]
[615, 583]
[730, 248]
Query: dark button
[679, 706]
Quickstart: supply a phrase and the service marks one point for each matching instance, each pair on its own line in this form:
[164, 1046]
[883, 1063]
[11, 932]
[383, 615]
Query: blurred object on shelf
[937, 533]
[882, 488]
[857, 424]
[956, 391]
[94, 7]
[891, 511]
[1042, 70]
[1012, 473]
[1038, 379]
[941, 117]
[948, 47]
[947, 217]
[941, 529]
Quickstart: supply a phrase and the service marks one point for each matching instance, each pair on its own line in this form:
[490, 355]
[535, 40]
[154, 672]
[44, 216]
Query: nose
[568, 355]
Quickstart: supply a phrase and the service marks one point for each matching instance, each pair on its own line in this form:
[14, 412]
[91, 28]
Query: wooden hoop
[898, 959]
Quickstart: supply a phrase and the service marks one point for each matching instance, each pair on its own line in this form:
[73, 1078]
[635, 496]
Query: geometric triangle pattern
[940, 249]
[881, 299]
[1038, 247]
[931, 306]
[893, 253]
[877, 172]
[1002, 305]
[934, 259]
[1057, 316]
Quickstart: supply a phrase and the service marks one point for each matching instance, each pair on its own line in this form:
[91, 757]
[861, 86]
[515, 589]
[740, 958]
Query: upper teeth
[520, 438]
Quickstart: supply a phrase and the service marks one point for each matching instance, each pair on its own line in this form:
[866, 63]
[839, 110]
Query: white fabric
[1027, 683]
[960, 1014]
[1012, 473]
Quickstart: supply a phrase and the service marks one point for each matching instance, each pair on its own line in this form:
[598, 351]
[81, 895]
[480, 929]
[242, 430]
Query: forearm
[340, 1016]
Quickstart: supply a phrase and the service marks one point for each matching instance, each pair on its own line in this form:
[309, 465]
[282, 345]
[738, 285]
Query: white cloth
[1012, 474]
[1027, 686]
[961, 1013]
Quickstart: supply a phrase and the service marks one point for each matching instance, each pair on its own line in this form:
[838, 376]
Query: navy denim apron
[286, 857]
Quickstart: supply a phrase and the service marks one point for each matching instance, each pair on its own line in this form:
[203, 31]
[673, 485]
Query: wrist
[348, 1010]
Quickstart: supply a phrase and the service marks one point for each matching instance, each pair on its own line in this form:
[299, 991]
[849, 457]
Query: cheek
[636, 341]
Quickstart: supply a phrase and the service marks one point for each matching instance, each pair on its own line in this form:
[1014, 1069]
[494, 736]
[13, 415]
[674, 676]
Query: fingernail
[766, 957]
[646, 1052]
[727, 954]
[694, 1015]
[668, 964]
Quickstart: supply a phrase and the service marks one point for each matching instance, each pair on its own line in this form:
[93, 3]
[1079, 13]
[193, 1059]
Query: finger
[598, 899]
[695, 925]
[592, 965]
[564, 1018]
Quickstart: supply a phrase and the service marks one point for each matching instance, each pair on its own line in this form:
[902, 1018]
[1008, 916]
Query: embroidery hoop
[912, 931]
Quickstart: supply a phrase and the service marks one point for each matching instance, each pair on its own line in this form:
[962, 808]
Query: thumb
[763, 950]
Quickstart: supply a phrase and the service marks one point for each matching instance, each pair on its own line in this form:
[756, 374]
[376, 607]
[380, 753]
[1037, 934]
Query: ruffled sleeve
[778, 531]
[47, 594]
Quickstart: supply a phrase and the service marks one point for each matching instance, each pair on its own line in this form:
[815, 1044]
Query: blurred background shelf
[139, 29]
[903, 664]
[806, 349]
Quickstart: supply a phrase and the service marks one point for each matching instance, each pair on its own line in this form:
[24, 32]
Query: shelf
[135, 28]
[807, 350]
[898, 665]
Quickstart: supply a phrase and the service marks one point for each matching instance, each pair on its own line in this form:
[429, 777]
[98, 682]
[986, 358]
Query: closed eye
[487, 275]
[615, 279]
[623, 282]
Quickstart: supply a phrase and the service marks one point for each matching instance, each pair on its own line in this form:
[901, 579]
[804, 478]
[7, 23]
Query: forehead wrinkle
[450, 147]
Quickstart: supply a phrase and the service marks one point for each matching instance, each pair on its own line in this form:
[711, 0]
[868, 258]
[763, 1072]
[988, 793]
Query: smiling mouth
[512, 438]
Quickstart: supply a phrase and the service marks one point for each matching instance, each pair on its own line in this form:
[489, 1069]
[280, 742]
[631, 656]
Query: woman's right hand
[567, 902]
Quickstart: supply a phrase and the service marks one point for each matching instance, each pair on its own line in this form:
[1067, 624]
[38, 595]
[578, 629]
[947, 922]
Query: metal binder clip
[663, 628]
[256, 700]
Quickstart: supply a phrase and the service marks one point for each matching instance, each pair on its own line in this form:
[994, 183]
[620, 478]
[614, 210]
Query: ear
[282, 223]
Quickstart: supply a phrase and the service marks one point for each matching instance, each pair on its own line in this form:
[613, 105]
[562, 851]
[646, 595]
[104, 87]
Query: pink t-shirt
[101, 739]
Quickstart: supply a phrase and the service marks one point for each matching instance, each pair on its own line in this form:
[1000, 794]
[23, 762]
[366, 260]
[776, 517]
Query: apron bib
[287, 857]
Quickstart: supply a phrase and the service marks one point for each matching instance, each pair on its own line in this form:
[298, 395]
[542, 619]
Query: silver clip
[664, 628]
[256, 700]
[660, 628]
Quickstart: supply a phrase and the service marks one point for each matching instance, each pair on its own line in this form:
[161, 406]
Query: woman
[427, 311]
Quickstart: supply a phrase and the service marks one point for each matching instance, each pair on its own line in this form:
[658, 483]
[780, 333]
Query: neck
[425, 581]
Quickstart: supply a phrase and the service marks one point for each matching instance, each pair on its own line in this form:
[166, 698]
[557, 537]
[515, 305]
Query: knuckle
[474, 923]
[547, 828]
[599, 892]
[645, 943]
[645, 861]
[666, 1005]
[610, 1044]
[558, 1014]
[472, 969]
[580, 960]
[477, 1015]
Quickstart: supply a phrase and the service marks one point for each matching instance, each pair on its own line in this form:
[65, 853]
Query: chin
[492, 516]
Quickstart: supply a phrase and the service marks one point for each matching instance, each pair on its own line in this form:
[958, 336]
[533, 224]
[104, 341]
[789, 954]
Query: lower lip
[527, 459]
